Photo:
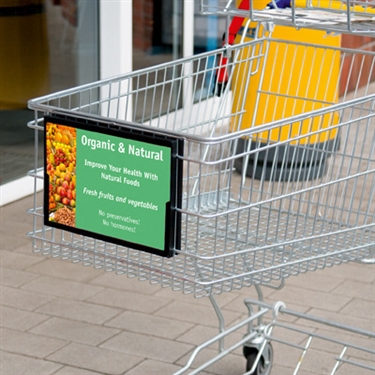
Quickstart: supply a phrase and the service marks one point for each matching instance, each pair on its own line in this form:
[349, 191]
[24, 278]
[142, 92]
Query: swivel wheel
[264, 364]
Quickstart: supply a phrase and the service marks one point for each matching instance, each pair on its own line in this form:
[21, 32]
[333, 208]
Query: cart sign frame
[113, 183]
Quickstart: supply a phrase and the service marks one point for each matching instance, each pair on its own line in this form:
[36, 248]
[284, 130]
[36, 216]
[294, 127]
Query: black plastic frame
[172, 226]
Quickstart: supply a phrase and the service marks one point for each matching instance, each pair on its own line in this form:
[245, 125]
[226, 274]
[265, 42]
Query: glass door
[45, 46]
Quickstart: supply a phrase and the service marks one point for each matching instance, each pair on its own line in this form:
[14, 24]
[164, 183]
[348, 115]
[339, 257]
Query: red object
[237, 22]
[222, 75]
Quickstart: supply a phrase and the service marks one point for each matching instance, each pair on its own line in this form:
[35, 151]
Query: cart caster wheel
[265, 361]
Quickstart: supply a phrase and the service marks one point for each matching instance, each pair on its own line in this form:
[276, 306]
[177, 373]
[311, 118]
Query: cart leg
[260, 293]
[258, 351]
[219, 338]
[220, 317]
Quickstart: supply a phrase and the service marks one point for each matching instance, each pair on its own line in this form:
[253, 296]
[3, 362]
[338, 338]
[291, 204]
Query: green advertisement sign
[114, 185]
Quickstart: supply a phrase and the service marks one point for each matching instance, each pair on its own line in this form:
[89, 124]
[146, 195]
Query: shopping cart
[309, 205]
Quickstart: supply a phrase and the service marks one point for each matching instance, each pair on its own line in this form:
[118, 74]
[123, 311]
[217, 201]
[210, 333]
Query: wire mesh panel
[342, 16]
[263, 199]
[305, 343]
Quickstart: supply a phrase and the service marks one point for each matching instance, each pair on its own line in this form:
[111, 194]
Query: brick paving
[62, 318]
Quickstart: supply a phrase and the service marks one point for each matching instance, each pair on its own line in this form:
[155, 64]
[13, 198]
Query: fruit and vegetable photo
[61, 171]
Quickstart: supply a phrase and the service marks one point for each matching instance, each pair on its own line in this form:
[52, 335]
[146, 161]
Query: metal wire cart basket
[269, 174]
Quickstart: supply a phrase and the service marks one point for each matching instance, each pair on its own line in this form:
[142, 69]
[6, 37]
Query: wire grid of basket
[338, 16]
[236, 230]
